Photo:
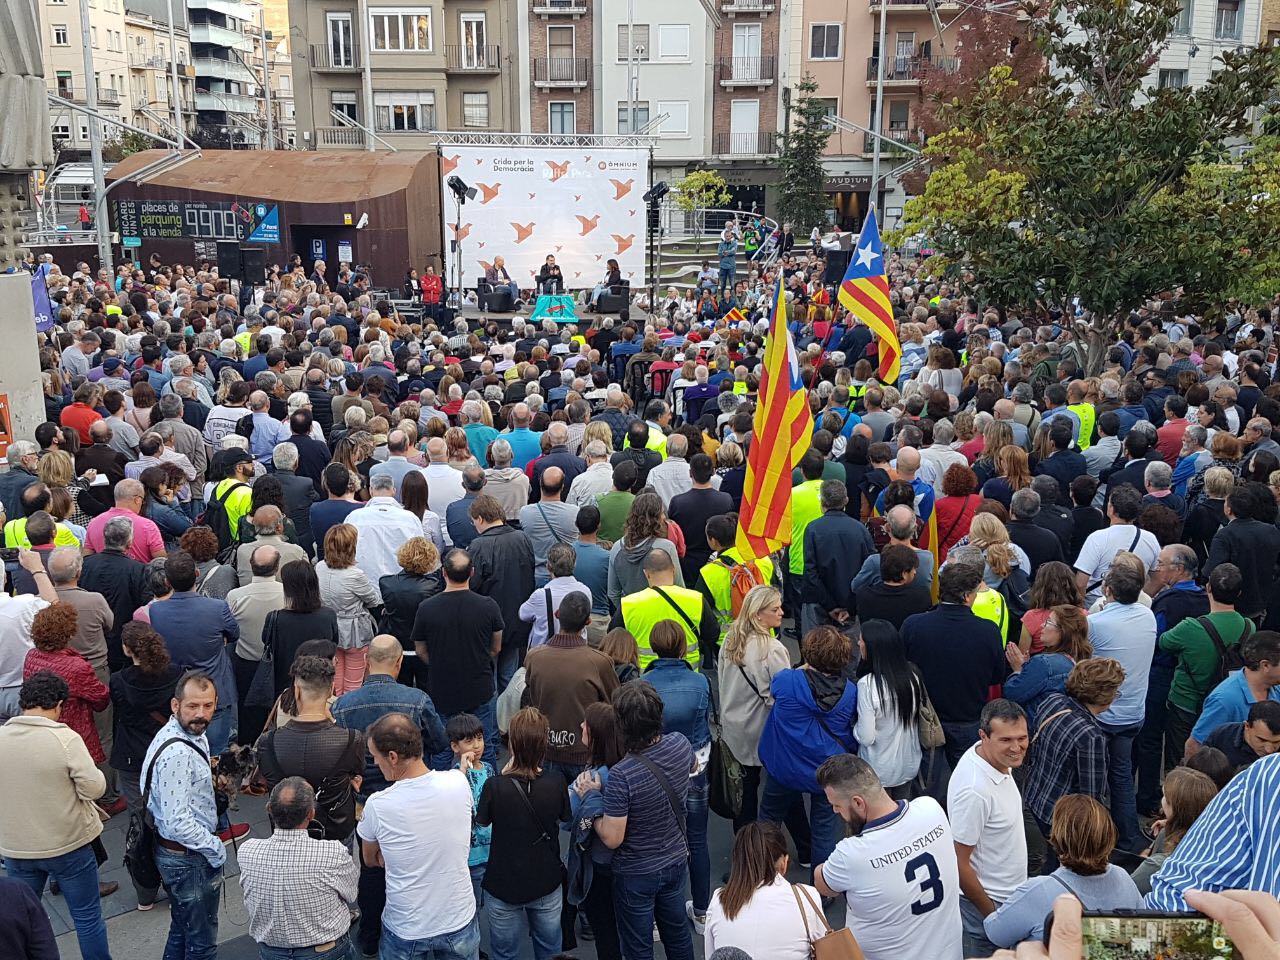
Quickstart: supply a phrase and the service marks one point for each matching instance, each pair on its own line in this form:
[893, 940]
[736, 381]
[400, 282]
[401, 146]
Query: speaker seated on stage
[549, 278]
[612, 279]
[497, 278]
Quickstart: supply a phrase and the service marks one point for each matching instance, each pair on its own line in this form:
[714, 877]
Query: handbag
[262, 688]
[724, 781]
[832, 945]
[140, 840]
[929, 726]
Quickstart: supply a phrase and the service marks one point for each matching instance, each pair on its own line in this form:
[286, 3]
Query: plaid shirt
[1068, 755]
[298, 890]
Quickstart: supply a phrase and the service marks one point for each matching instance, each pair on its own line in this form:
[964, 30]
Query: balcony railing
[745, 144]
[107, 96]
[745, 71]
[220, 69]
[891, 140]
[547, 8]
[325, 57]
[761, 7]
[146, 61]
[910, 68]
[339, 137]
[562, 71]
[465, 58]
[917, 5]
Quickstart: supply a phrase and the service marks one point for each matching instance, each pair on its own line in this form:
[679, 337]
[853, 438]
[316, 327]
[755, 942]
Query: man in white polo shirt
[897, 869]
[985, 810]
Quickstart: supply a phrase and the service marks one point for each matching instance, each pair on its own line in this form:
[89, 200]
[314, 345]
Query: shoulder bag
[725, 776]
[832, 945]
[262, 688]
[693, 627]
[928, 725]
[140, 840]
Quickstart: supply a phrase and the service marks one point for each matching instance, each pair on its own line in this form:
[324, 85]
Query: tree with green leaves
[801, 199]
[1087, 184]
[699, 191]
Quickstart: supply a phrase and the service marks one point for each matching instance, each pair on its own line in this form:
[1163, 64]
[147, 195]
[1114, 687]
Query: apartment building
[226, 86]
[1270, 26]
[150, 70]
[1203, 31]
[401, 71]
[64, 66]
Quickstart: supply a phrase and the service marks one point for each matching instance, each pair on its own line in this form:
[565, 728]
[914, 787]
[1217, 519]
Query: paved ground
[138, 935]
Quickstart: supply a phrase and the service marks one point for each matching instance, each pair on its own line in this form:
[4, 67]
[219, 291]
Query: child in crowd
[466, 740]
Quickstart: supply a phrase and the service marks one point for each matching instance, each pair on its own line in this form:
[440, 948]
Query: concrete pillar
[19, 357]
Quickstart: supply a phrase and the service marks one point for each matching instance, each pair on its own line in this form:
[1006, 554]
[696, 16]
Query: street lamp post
[100, 224]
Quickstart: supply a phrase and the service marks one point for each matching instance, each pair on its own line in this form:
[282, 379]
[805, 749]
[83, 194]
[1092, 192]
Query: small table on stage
[554, 306]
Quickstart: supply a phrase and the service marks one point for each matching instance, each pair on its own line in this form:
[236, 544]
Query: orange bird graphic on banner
[484, 264]
[522, 232]
[624, 243]
[588, 223]
[488, 192]
[558, 170]
[532, 195]
[460, 233]
[622, 187]
[447, 164]
[577, 198]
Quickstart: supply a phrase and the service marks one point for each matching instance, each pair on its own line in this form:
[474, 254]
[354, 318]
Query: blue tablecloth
[557, 307]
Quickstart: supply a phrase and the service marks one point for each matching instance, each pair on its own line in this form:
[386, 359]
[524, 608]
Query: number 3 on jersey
[930, 885]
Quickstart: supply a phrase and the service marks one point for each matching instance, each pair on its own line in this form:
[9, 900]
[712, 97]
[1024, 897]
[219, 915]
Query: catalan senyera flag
[780, 435]
[734, 316]
[864, 292]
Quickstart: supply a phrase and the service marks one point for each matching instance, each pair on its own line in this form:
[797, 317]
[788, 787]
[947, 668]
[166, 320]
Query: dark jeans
[598, 908]
[696, 807]
[1051, 862]
[825, 825]
[1150, 747]
[1124, 805]
[463, 944]
[960, 737]
[193, 905]
[413, 672]
[252, 719]
[509, 661]
[1178, 726]
[371, 898]
[342, 949]
[640, 900]
[796, 820]
[487, 713]
[77, 875]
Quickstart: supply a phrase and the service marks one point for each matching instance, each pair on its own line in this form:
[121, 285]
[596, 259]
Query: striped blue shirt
[1233, 845]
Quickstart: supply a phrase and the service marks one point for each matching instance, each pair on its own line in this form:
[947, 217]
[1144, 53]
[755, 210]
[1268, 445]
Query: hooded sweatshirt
[625, 573]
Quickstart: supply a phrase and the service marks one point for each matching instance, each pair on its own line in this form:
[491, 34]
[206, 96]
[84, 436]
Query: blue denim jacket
[686, 699]
[378, 696]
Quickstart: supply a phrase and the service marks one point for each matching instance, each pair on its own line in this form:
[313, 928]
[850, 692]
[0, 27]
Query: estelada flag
[780, 436]
[864, 292]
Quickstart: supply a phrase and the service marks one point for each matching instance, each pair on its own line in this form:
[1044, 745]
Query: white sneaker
[699, 920]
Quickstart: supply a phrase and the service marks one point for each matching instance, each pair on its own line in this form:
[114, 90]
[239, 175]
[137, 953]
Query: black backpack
[216, 518]
[1230, 659]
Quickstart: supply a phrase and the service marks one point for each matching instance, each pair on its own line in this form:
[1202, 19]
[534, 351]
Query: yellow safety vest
[657, 442]
[642, 611]
[990, 605]
[740, 387]
[718, 578]
[1087, 416]
[15, 535]
[806, 507]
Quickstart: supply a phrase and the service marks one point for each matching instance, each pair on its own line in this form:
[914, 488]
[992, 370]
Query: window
[82, 128]
[344, 102]
[640, 41]
[1227, 25]
[830, 106]
[60, 35]
[473, 40]
[1182, 20]
[824, 41]
[1172, 79]
[475, 109]
[561, 118]
[401, 29]
[64, 84]
[341, 48]
[673, 41]
[60, 127]
[899, 114]
[93, 37]
[641, 118]
[677, 122]
[402, 111]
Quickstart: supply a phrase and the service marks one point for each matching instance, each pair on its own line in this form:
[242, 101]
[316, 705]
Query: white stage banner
[581, 205]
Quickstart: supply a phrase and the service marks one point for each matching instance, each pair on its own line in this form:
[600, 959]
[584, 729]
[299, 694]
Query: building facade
[226, 86]
[151, 57]
[1203, 31]
[64, 67]
[440, 64]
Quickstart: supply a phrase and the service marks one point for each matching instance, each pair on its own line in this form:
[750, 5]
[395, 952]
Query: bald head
[901, 521]
[268, 520]
[385, 654]
[438, 450]
[908, 462]
[1004, 409]
[552, 483]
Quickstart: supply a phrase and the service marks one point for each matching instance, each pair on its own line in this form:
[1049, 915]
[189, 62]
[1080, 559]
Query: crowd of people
[463, 598]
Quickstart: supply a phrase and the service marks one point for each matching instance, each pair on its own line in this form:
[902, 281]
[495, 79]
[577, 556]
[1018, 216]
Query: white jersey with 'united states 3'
[900, 879]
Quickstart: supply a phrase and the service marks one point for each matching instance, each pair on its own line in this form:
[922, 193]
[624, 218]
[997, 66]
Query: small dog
[235, 767]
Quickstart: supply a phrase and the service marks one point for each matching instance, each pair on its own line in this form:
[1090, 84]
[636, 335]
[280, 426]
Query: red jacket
[81, 416]
[432, 288]
[88, 693]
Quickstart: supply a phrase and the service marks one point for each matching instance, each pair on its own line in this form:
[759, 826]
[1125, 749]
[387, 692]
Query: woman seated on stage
[612, 278]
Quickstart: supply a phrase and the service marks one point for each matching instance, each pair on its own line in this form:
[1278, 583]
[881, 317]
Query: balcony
[571, 73]
[215, 102]
[346, 138]
[747, 7]
[746, 71]
[892, 137]
[915, 6]
[145, 61]
[325, 58]
[228, 8]
[219, 69]
[107, 96]
[560, 8]
[909, 70]
[745, 144]
[465, 58]
[217, 36]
